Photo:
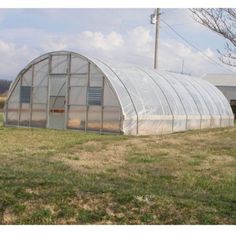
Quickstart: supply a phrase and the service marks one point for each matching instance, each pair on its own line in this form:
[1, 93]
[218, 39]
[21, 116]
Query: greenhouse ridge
[65, 90]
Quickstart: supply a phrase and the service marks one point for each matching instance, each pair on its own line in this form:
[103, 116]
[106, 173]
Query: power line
[196, 48]
[170, 10]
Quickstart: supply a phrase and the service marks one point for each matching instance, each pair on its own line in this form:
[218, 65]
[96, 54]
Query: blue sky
[123, 35]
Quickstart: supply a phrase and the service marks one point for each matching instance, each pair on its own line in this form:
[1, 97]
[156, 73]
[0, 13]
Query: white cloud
[135, 47]
[14, 58]
[98, 40]
[53, 43]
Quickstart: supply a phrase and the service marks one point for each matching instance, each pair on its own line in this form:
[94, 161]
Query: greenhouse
[65, 90]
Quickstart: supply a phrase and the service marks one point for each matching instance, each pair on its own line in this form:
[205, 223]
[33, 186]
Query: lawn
[68, 177]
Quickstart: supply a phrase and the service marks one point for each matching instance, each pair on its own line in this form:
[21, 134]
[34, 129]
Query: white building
[226, 83]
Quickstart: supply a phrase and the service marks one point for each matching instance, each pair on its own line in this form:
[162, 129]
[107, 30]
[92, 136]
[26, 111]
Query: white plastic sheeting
[151, 101]
[155, 102]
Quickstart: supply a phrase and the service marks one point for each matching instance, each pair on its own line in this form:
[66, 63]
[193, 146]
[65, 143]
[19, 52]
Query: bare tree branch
[223, 22]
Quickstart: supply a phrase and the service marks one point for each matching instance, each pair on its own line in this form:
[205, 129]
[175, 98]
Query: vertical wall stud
[31, 96]
[87, 105]
[67, 89]
[102, 105]
[48, 88]
[20, 104]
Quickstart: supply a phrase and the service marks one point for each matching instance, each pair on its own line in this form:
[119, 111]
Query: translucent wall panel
[158, 125]
[59, 64]
[123, 95]
[77, 117]
[40, 95]
[111, 119]
[94, 118]
[12, 113]
[41, 73]
[193, 117]
[39, 116]
[57, 104]
[25, 114]
[79, 80]
[57, 85]
[27, 77]
[78, 65]
[78, 95]
[96, 77]
[109, 97]
[96, 80]
[15, 93]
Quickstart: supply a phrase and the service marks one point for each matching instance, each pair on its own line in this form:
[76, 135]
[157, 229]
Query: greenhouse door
[57, 100]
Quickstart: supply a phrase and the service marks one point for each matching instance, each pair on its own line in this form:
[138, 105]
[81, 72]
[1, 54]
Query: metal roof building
[226, 83]
[65, 90]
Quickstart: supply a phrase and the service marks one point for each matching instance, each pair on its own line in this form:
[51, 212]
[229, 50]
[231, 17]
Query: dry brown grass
[55, 177]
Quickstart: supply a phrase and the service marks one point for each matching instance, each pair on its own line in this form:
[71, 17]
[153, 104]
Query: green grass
[67, 177]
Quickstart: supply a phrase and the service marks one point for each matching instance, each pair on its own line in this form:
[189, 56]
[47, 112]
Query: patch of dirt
[8, 217]
[112, 155]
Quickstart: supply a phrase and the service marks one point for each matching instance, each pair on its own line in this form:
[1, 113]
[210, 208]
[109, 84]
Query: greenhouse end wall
[63, 90]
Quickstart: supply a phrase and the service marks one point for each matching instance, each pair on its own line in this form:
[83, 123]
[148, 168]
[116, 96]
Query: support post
[31, 96]
[157, 22]
[67, 100]
[48, 89]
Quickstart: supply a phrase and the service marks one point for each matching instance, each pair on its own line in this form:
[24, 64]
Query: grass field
[62, 177]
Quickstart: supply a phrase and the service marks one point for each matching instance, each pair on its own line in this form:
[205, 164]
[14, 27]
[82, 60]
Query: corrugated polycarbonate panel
[40, 95]
[109, 97]
[12, 113]
[79, 65]
[39, 115]
[94, 118]
[59, 64]
[111, 119]
[79, 80]
[78, 96]
[27, 77]
[41, 73]
[77, 117]
[14, 94]
[25, 114]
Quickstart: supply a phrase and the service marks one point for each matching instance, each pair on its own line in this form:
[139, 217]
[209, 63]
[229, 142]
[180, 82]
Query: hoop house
[65, 90]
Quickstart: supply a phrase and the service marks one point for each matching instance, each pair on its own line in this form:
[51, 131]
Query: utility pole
[155, 19]
[182, 66]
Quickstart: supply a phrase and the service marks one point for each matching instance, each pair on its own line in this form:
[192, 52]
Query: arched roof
[148, 94]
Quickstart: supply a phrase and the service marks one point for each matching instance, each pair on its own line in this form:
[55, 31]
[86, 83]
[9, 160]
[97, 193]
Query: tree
[223, 22]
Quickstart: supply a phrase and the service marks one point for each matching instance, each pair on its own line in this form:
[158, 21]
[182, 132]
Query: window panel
[25, 94]
[95, 96]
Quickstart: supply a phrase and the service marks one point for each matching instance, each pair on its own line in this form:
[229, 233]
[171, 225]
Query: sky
[122, 35]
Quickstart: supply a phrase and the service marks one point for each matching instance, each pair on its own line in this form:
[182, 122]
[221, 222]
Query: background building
[226, 83]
